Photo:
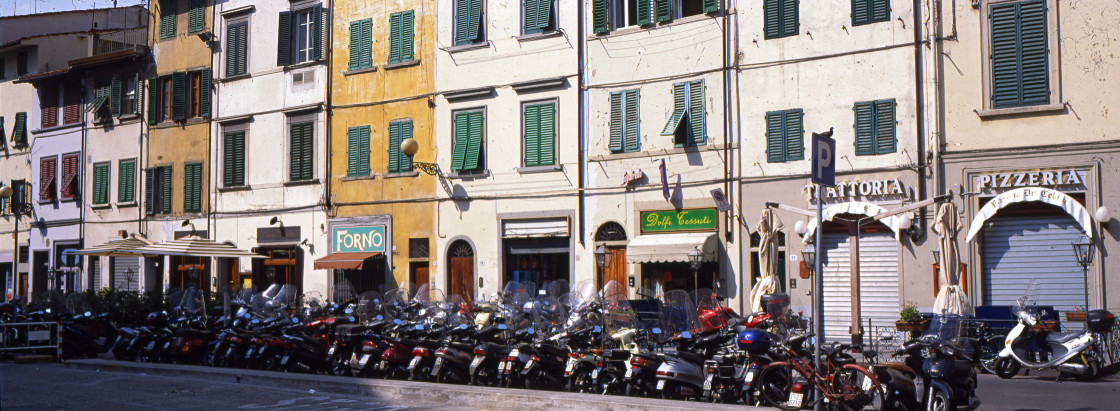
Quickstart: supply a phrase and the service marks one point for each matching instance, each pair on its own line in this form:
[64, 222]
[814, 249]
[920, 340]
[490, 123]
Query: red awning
[344, 261]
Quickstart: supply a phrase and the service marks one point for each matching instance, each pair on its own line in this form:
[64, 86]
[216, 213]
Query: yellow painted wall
[183, 51]
[375, 98]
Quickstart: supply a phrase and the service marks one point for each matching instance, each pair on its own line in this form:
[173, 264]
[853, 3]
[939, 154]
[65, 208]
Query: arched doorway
[613, 237]
[460, 279]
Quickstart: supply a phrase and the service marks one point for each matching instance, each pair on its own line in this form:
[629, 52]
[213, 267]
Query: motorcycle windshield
[679, 313]
[548, 317]
[191, 302]
[1027, 301]
[556, 288]
[706, 300]
[617, 312]
[580, 304]
[344, 292]
[174, 300]
[272, 290]
[945, 329]
[367, 306]
[77, 303]
[458, 311]
[287, 295]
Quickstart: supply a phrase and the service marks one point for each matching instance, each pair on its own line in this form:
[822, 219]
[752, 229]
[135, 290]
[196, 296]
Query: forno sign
[359, 239]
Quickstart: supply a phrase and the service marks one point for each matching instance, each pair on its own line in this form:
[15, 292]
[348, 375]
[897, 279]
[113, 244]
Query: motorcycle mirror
[397, 321]
[256, 321]
[530, 331]
[597, 329]
[295, 320]
[686, 334]
[349, 310]
[88, 314]
[376, 300]
[502, 327]
[379, 317]
[462, 326]
[351, 318]
[656, 330]
[419, 327]
[422, 311]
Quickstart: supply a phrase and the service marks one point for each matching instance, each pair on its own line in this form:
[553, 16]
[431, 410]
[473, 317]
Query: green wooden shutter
[645, 12]
[126, 181]
[352, 136]
[316, 32]
[711, 5]
[192, 187]
[880, 10]
[101, 183]
[546, 141]
[233, 161]
[19, 132]
[680, 108]
[165, 176]
[617, 123]
[789, 17]
[772, 18]
[459, 146]
[462, 16]
[1034, 49]
[885, 136]
[153, 100]
[406, 43]
[300, 147]
[794, 131]
[149, 191]
[696, 112]
[531, 124]
[204, 92]
[167, 17]
[394, 147]
[406, 133]
[861, 12]
[529, 16]
[664, 10]
[179, 96]
[395, 28]
[115, 97]
[775, 137]
[355, 45]
[865, 129]
[365, 58]
[231, 50]
[630, 100]
[472, 159]
[197, 21]
[601, 21]
[284, 39]
[237, 49]
[475, 21]
[363, 151]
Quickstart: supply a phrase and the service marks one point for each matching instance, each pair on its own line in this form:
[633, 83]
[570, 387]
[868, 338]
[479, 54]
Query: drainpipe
[728, 219]
[226, 277]
[919, 110]
[582, 50]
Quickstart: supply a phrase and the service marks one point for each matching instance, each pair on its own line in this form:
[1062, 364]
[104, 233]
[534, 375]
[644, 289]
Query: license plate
[476, 362]
[151, 346]
[529, 364]
[795, 399]
[660, 385]
[502, 366]
[330, 352]
[415, 361]
[284, 361]
[708, 383]
[435, 368]
[571, 366]
[749, 378]
[362, 362]
[595, 374]
[629, 372]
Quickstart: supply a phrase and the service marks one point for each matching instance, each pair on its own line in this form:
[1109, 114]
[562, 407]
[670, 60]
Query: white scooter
[1073, 352]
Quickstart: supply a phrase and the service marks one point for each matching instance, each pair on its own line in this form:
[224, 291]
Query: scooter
[1072, 352]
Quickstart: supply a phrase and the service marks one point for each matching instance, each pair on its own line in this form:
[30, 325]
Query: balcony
[114, 41]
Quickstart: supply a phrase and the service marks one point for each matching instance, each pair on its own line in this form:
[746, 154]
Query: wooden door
[419, 274]
[617, 269]
[462, 276]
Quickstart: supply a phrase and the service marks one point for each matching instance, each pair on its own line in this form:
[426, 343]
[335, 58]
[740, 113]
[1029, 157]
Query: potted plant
[1078, 314]
[909, 319]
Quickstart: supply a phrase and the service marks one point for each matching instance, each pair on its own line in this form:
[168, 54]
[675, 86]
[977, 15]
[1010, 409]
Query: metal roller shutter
[1017, 249]
[126, 273]
[878, 264]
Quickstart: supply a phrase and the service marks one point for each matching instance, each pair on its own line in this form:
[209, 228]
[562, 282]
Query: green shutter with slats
[696, 112]
[355, 45]
[115, 97]
[645, 14]
[197, 17]
[630, 99]
[101, 183]
[789, 17]
[395, 29]
[536, 15]
[363, 151]
[352, 152]
[870, 11]
[680, 108]
[204, 93]
[617, 125]
[775, 137]
[357, 153]
[468, 18]
[546, 141]
[406, 133]
[233, 159]
[149, 191]
[300, 149]
[153, 100]
[1034, 51]
[780, 18]
[531, 124]
[865, 128]
[794, 130]
[316, 32]
[165, 177]
[284, 39]
[394, 147]
[1019, 54]
[459, 145]
[880, 10]
[366, 54]
[237, 49]
[664, 9]
[406, 43]
[167, 17]
[179, 96]
[474, 22]
[711, 5]
[192, 187]
[19, 132]
[126, 181]
[472, 159]
[885, 137]
[601, 21]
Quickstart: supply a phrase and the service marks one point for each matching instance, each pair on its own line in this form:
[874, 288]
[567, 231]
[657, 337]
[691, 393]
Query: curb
[404, 391]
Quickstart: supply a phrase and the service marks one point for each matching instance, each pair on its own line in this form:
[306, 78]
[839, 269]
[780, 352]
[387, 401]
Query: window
[69, 183]
[72, 104]
[400, 37]
[179, 96]
[100, 106]
[19, 132]
[233, 159]
[126, 181]
[616, 14]
[468, 22]
[357, 151]
[875, 130]
[466, 149]
[780, 18]
[157, 190]
[870, 11]
[399, 130]
[21, 63]
[299, 38]
[48, 106]
[192, 187]
[167, 16]
[237, 48]
[101, 183]
[197, 17]
[624, 122]
[539, 130]
[193, 79]
[537, 16]
[361, 44]
[47, 168]
[20, 202]
[128, 101]
[1019, 54]
[688, 111]
[165, 98]
[301, 148]
[785, 135]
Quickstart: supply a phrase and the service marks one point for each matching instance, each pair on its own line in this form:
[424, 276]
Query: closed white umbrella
[951, 298]
[195, 246]
[767, 229]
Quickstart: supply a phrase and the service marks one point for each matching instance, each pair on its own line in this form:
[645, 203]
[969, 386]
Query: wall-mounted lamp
[206, 37]
[906, 223]
[1102, 216]
[275, 220]
[409, 147]
[188, 223]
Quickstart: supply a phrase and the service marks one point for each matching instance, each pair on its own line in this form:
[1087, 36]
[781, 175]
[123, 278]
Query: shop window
[756, 264]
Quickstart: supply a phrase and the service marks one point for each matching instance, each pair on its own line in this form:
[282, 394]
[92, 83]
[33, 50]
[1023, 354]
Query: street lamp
[1083, 251]
[937, 254]
[602, 260]
[809, 255]
[409, 147]
[694, 258]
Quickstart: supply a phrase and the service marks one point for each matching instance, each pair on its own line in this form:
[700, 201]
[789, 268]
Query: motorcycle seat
[553, 350]
[690, 357]
[461, 346]
[1062, 337]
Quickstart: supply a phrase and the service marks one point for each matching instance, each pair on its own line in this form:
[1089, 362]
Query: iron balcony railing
[114, 41]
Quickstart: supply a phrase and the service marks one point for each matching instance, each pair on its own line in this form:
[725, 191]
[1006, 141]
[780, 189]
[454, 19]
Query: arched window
[610, 231]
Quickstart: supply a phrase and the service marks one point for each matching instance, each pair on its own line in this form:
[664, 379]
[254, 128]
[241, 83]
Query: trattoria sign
[1037, 178]
[852, 189]
[358, 239]
[696, 219]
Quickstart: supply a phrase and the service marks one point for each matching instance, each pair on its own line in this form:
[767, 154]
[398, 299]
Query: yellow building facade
[380, 94]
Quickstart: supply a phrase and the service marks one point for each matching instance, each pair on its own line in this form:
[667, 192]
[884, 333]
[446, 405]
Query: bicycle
[793, 384]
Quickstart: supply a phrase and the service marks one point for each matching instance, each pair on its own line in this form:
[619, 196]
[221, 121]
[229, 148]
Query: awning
[657, 248]
[539, 246]
[121, 247]
[535, 227]
[851, 207]
[195, 246]
[344, 261]
[1044, 195]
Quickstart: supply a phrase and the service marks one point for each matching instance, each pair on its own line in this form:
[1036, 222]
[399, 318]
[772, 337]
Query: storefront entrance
[878, 281]
[284, 265]
[460, 279]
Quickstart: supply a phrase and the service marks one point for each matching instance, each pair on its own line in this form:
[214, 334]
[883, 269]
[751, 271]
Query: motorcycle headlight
[948, 351]
[928, 352]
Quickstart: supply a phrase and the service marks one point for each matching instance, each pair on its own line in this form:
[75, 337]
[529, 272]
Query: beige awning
[662, 248]
[343, 261]
[121, 247]
[195, 246]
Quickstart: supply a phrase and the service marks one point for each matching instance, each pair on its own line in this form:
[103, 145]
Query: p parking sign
[824, 159]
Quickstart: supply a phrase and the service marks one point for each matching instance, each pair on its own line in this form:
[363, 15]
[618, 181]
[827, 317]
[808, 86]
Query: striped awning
[195, 246]
[122, 247]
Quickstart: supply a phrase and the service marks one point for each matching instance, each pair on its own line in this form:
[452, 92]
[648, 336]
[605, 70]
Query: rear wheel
[775, 384]
[1006, 367]
[1090, 374]
[858, 389]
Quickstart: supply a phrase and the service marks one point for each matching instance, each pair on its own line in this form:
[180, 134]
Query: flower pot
[912, 325]
[1046, 327]
[1075, 316]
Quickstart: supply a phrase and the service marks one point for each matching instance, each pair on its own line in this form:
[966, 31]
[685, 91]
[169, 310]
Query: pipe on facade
[327, 109]
[582, 90]
[211, 220]
[919, 112]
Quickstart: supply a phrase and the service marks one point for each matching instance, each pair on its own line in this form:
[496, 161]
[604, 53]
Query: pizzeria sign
[696, 219]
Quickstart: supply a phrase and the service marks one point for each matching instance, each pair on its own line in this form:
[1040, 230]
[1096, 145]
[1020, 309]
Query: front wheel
[1006, 367]
[939, 401]
[1091, 374]
[858, 389]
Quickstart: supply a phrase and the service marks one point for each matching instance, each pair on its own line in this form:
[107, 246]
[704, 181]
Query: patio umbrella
[767, 229]
[950, 299]
[195, 246]
[121, 247]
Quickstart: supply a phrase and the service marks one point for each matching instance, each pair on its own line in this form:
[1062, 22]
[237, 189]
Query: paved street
[1041, 392]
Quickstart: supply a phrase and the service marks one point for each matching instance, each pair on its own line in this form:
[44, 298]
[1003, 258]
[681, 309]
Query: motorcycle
[938, 371]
